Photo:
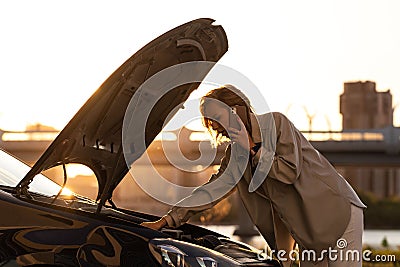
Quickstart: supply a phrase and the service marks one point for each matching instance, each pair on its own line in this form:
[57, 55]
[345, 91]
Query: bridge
[374, 148]
[364, 147]
[26, 145]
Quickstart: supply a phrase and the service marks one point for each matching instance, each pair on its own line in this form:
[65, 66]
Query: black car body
[41, 226]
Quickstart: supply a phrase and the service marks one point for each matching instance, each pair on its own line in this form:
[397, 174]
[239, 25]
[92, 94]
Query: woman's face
[219, 115]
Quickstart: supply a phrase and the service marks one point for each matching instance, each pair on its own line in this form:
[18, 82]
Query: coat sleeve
[218, 187]
[287, 161]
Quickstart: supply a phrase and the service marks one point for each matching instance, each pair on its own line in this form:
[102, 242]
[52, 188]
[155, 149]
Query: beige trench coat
[311, 197]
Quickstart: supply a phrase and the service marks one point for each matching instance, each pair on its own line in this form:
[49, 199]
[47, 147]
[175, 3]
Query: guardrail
[28, 135]
[390, 136]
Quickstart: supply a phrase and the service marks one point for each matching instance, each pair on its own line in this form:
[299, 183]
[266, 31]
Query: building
[363, 107]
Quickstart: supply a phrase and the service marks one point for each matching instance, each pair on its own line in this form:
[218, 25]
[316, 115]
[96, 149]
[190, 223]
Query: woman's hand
[157, 225]
[242, 137]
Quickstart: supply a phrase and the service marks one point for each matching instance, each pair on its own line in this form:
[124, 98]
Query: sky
[55, 54]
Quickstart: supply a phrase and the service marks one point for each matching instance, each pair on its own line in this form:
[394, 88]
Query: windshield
[13, 170]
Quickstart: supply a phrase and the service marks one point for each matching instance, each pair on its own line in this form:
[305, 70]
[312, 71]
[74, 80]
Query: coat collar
[255, 129]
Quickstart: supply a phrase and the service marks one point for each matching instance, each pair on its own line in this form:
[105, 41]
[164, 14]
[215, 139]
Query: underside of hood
[93, 137]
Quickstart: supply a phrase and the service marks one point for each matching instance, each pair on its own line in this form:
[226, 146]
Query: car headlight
[172, 256]
[207, 262]
[174, 253]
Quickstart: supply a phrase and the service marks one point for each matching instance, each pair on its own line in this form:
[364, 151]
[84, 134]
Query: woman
[291, 192]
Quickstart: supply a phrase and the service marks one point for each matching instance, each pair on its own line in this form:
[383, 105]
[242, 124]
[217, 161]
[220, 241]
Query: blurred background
[330, 66]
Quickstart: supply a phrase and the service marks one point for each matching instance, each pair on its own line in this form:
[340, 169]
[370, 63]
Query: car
[45, 224]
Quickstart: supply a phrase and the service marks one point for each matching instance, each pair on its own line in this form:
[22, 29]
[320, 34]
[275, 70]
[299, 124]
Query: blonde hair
[230, 96]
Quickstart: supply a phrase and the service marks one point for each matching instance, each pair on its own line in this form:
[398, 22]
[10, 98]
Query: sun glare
[74, 170]
[66, 192]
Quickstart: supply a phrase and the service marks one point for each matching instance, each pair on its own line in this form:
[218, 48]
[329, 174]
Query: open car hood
[94, 135]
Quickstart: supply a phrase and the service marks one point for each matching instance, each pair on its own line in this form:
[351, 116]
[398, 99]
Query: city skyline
[299, 54]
